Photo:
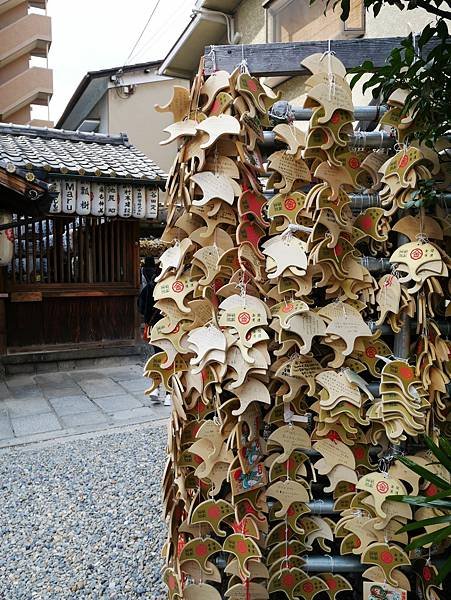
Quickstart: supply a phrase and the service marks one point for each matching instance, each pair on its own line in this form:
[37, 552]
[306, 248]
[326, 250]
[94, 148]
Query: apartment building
[25, 80]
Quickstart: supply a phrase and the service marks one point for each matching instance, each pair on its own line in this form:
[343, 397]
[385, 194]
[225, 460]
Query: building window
[298, 21]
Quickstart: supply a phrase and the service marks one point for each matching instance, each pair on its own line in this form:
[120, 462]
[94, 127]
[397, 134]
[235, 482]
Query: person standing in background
[150, 316]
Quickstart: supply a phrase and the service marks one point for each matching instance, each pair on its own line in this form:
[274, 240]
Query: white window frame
[356, 31]
[272, 6]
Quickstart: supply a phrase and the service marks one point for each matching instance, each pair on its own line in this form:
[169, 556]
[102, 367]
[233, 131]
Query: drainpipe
[233, 37]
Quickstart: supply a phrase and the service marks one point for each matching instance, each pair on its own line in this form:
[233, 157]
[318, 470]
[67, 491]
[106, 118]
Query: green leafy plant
[440, 500]
[421, 64]
[425, 195]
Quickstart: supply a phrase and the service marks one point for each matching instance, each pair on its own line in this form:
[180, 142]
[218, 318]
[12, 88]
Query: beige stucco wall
[391, 22]
[136, 116]
[250, 22]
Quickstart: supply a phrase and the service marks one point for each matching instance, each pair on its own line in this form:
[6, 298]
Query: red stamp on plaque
[290, 203]
[244, 318]
[288, 307]
[371, 351]
[403, 161]
[382, 487]
[354, 163]
[416, 254]
[178, 287]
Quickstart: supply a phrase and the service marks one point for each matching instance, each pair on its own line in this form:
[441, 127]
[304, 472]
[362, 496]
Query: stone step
[68, 360]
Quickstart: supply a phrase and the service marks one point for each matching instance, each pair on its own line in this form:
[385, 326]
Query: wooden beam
[26, 296]
[276, 59]
[19, 184]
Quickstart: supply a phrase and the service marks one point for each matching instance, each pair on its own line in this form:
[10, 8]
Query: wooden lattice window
[72, 250]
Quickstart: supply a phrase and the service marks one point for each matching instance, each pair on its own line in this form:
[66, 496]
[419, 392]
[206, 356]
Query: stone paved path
[51, 405]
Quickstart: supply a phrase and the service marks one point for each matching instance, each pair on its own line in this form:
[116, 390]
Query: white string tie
[243, 64]
[292, 228]
[212, 55]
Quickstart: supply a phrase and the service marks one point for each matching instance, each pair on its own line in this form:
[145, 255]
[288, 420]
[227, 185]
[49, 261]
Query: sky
[97, 34]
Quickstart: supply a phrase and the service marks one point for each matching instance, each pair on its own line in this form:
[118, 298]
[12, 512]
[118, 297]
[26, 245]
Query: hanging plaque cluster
[272, 335]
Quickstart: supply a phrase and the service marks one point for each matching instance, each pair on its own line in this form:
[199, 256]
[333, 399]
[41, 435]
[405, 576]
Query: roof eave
[171, 64]
[89, 77]
[21, 194]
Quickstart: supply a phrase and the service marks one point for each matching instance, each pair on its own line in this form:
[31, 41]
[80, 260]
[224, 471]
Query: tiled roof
[60, 152]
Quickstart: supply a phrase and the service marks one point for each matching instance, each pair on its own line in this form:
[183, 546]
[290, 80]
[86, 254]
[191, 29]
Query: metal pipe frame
[332, 564]
[321, 564]
[322, 507]
[363, 139]
[284, 111]
[361, 201]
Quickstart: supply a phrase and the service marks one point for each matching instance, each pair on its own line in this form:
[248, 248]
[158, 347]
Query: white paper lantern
[98, 199]
[139, 202]
[69, 195]
[110, 200]
[84, 198]
[125, 201]
[56, 205]
[152, 195]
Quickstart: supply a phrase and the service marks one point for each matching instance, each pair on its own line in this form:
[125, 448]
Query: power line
[142, 32]
[154, 39]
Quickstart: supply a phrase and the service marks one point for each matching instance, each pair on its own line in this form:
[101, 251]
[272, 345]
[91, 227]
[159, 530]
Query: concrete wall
[136, 116]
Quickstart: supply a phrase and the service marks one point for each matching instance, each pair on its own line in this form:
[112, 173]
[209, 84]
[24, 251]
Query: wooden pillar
[3, 300]
[136, 276]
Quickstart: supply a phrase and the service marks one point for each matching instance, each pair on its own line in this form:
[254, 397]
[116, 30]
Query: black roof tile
[39, 148]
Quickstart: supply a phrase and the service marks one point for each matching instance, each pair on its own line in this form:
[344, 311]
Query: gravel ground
[82, 519]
